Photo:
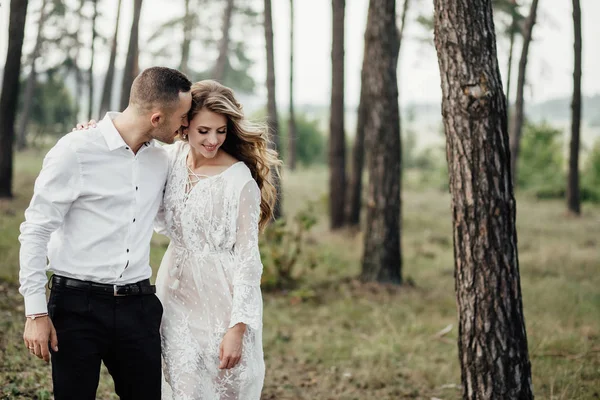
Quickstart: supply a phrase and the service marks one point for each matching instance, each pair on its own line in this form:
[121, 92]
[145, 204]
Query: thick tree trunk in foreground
[492, 340]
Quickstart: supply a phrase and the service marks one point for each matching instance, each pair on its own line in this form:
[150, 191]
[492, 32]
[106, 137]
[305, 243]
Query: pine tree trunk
[382, 256]
[10, 93]
[337, 141]
[519, 117]
[91, 71]
[358, 161]
[573, 198]
[221, 64]
[272, 118]
[131, 64]
[31, 80]
[513, 28]
[291, 154]
[187, 39]
[353, 201]
[492, 340]
[105, 104]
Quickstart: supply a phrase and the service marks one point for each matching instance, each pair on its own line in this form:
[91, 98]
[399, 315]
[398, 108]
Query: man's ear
[156, 119]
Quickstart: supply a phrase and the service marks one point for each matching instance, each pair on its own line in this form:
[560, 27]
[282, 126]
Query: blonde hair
[247, 141]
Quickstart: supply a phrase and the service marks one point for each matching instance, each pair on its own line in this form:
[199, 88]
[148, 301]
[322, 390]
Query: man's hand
[230, 350]
[81, 127]
[38, 333]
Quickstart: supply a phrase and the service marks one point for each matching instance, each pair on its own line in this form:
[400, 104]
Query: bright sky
[550, 66]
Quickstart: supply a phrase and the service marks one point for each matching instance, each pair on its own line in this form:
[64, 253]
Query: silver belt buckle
[115, 289]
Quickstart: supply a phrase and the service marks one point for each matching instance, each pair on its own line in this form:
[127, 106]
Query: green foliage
[540, 166]
[52, 108]
[283, 247]
[310, 144]
[590, 181]
[411, 157]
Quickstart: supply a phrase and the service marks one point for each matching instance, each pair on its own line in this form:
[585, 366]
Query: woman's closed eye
[205, 132]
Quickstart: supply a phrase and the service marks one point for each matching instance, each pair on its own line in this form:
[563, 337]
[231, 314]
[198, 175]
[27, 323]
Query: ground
[346, 340]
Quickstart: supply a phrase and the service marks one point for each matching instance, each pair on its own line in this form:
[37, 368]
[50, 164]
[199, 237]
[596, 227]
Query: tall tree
[188, 22]
[221, 64]
[516, 123]
[512, 33]
[492, 340]
[337, 139]
[131, 64]
[10, 93]
[291, 153]
[272, 118]
[32, 78]
[353, 203]
[382, 255]
[105, 103]
[573, 198]
[91, 70]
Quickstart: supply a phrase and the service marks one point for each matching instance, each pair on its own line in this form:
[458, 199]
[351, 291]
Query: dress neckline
[189, 184]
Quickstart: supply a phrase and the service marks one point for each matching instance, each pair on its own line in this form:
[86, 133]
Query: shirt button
[126, 148]
[128, 250]
[134, 220]
[136, 188]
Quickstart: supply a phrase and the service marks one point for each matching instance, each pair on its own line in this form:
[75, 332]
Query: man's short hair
[158, 87]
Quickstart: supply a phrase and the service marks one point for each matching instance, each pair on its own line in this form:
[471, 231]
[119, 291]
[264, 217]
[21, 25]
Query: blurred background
[328, 333]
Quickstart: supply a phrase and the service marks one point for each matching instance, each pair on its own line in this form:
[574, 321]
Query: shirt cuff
[36, 304]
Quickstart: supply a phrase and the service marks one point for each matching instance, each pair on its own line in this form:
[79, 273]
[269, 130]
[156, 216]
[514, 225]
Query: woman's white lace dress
[209, 280]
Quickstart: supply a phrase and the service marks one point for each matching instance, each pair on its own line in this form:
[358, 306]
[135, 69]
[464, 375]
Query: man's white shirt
[92, 212]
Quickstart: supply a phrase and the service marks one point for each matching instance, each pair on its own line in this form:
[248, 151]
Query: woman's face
[207, 132]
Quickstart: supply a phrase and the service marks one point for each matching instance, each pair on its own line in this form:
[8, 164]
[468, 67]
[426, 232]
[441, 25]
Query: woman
[218, 194]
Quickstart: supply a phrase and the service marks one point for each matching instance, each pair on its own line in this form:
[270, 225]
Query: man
[92, 216]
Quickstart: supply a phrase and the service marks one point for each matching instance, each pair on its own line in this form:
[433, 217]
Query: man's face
[173, 119]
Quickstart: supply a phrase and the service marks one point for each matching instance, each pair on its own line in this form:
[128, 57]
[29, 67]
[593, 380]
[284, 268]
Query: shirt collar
[111, 134]
[113, 138]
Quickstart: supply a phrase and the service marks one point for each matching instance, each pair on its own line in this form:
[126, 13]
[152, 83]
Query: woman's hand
[230, 350]
[81, 127]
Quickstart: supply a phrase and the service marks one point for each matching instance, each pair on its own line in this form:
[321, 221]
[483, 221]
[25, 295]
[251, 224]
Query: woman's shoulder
[241, 176]
[174, 149]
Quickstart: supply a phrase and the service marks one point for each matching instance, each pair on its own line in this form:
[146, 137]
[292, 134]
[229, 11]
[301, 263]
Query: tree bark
[291, 156]
[513, 28]
[187, 39]
[10, 93]
[272, 118]
[221, 64]
[110, 73]
[337, 140]
[91, 71]
[31, 80]
[353, 202]
[131, 64]
[519, 116]
[573, 197]
[382, 255]
[358, 161]
[492, 340]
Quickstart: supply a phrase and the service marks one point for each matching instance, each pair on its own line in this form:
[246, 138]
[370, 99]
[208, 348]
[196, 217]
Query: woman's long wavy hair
[247, 141]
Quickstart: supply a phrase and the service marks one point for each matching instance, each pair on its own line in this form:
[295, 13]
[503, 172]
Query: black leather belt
[132, 289]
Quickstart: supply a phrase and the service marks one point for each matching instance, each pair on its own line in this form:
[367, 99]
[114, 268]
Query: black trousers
[123, 332]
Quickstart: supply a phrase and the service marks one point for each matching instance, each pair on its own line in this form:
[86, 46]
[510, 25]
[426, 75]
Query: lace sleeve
[247, 305]
[160, 223]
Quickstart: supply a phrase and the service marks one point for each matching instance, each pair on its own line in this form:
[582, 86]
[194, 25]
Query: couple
[96, 201]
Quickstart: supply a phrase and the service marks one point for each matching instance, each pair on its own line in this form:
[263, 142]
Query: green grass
[363, 341]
